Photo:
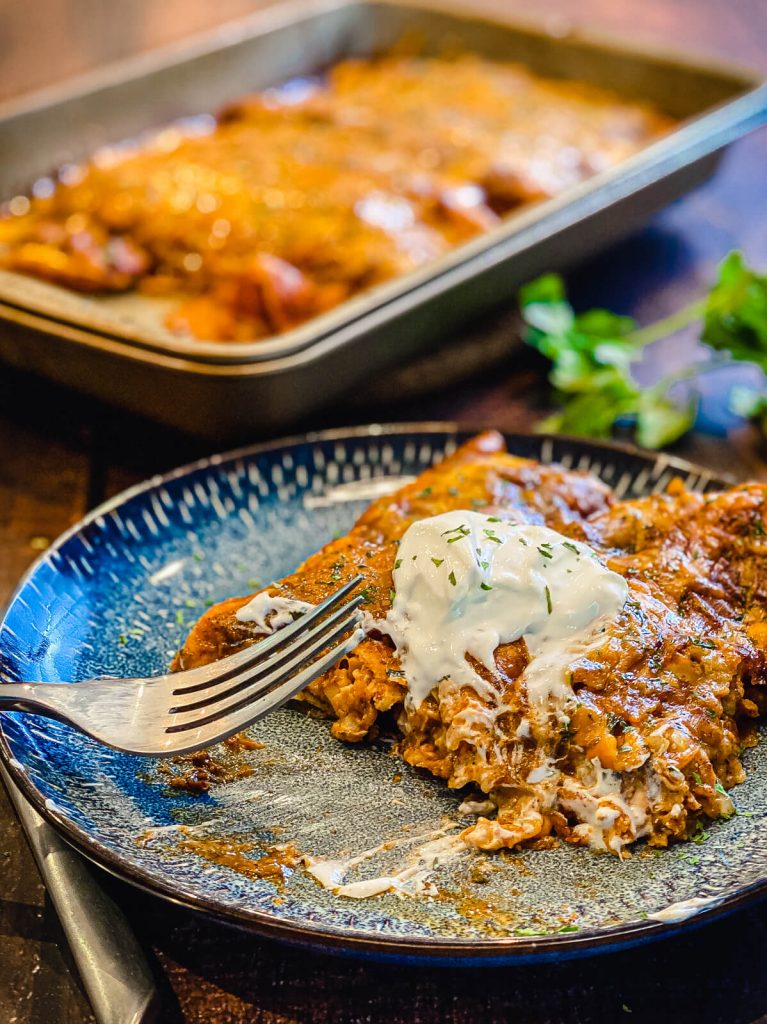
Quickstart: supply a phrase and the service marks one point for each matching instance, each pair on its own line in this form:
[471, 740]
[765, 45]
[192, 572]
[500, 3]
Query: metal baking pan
[117, 348]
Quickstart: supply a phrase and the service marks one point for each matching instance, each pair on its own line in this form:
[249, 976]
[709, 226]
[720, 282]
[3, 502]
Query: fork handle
[39, 698]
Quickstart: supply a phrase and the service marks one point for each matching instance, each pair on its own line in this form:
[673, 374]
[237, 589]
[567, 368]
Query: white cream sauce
[279, 611]
[684, 908]
[466, 582]
[410, 879]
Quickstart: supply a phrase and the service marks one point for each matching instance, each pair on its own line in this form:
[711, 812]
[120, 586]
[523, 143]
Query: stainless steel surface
[112, 965]
[122, 352]
[182, 712]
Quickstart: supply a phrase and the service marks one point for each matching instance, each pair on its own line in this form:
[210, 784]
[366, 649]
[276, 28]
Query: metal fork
[185, 711]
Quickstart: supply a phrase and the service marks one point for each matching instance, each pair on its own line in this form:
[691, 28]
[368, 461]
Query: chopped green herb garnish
[122, 639]
[392, 595]
[490, 534]
[179, 617]
[459, 531]
[425, 492]
[485, 586]
[522, 541]
[494, 519]
[398, 563]
[190, 602]
[438, 561]
[570, 546]
[698, 642]
[135, 632]
[720, 788]
[759, 528]
[452, 579]
[485, 565]
[544, 552]
[548, 599]
[697, 779]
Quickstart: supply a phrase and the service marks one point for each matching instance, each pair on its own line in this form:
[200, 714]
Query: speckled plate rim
[450, 952]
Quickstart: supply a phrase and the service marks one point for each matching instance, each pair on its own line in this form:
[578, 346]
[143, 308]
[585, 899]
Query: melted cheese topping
[465, 583]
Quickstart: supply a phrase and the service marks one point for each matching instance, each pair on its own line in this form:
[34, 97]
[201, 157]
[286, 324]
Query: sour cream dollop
[466, 582]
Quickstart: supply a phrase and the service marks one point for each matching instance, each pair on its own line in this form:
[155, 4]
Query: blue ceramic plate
[117, 595]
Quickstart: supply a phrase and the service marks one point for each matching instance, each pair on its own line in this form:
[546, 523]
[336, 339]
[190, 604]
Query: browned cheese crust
[287, 207]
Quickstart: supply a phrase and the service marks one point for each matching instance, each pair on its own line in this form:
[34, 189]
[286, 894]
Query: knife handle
[112, 965]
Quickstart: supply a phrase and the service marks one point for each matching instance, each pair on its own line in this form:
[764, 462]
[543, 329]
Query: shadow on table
[712, 974]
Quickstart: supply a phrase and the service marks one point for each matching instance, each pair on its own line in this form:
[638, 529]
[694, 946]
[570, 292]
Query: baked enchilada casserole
[295, 199]
[588, 668]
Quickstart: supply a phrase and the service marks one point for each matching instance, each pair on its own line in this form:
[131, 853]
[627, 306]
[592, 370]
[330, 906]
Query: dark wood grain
[61, 454]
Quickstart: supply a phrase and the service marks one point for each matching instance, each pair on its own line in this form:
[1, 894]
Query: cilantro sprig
[592, 354]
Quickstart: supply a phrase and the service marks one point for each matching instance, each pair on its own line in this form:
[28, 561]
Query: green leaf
[749, 403]
[736, 312]
[593, 414]
[603, 324]
[660, 421]
[548, 288]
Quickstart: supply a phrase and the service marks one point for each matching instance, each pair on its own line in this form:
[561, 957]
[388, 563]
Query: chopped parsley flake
[485, 586]
[392, 595]
[459, 531]
[452, 579]
[491, 535]
[544, 551]
[697, 779]
[522, 541]
[398, 563]
[699, 642]
[438, 561]
[425, 492]
[494, 519]
[179, 617]
[548, 599]
[570, 546]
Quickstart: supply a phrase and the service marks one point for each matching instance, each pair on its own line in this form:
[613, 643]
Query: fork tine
[250, 674]
[217, 672]
[216, 728]
[186, 718]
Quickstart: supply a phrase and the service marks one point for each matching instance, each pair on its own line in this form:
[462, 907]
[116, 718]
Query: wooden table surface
[60, 455]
